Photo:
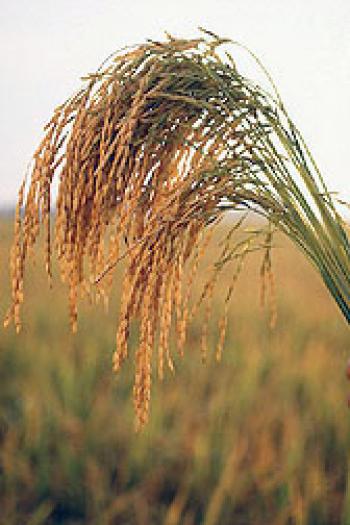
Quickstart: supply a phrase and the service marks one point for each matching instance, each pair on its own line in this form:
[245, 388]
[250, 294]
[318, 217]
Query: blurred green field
[260, 438]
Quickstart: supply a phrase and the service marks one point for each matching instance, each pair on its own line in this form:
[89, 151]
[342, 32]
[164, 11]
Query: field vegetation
[260, 438]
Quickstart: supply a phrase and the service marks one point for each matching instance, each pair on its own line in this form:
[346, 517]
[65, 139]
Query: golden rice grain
[150, 153]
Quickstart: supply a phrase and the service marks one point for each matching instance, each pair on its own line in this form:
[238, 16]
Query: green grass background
[260, 438]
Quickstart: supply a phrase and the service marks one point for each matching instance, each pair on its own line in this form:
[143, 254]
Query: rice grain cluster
[150, 153]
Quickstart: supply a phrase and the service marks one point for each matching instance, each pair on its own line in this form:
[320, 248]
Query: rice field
[260, 438]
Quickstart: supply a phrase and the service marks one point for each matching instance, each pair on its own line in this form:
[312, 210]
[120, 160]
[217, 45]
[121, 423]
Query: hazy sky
[46, 46]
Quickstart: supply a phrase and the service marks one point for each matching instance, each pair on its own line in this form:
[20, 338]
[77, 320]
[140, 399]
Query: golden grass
[262, 437]
[157, 146]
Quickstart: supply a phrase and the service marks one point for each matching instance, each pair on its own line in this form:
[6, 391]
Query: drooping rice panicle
[155, 147]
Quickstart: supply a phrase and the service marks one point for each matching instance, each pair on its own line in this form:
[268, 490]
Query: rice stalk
[157, 145]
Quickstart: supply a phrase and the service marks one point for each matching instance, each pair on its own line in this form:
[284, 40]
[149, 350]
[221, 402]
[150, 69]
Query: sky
[47, 45]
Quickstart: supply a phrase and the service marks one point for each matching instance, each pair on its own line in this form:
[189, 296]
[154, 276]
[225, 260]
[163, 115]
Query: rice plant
[154, 149]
